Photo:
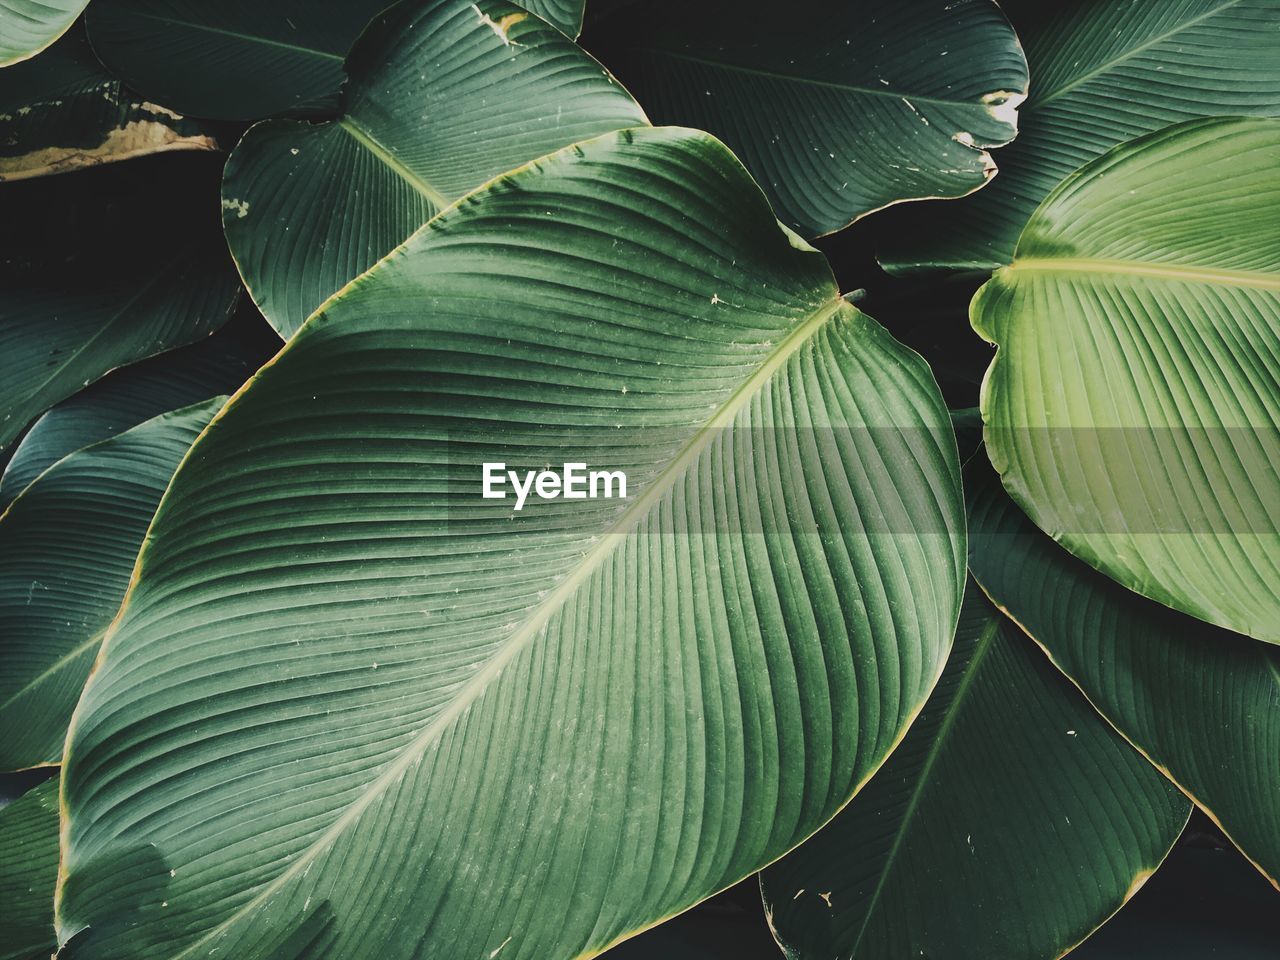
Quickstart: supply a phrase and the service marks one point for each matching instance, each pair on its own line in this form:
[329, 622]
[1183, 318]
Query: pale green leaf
[352, 708]
[1133, 404]
[444, 95]
[29, 26]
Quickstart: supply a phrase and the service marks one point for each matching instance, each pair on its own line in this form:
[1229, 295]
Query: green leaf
[1198, 701]
[28, 870]
[67, 548]
[29, 26]
[63, 112]
[444, 95]
[231, 59]
[102, 325]
[1101, 73]
[104, 269]
[1011, 822]
[838, 109]
[351, 707]
[1132, 406]
[126, 397]
[564, 15]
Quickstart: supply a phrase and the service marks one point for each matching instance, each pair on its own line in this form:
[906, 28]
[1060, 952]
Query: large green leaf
[352, 708]
[1199, 702]
[444, 95]
[1102, 72]
[28, 870]
[1010, 823]
[28, 26]
[62, 111]
[838, 109]
[231, 59]
[1133, 404]
[67, 547]
[126, 397]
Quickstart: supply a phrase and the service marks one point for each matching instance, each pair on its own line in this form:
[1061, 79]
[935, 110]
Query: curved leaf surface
[1133, 404]
[444, 95]
[838, 109]
[63, 112]
[1101, 73]
[126, 397]
[54, 341]
[350, 706]
[28, 870]
[29, 26]
[1198, 701]
[67, 547]
[1011, 822]
[565, 15]
[234, 59]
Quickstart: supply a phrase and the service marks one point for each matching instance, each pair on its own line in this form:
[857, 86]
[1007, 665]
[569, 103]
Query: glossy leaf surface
[1133, 404]
[1102, 72]
[444, 95]
[1200, 702]
[28, 868]
[67, 546]
[352, 706]
[1010, 823]
[838, 109]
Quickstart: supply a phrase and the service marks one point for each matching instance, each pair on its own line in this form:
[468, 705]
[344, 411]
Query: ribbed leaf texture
[444, 95]
[351, 708]
[1199, 701]
[62, 111]
[838, 109]
[1010, 823]
[1101, 73]
[28, 869]
[67, 547]
[28, 26]
[1133, 404]
[233, 59]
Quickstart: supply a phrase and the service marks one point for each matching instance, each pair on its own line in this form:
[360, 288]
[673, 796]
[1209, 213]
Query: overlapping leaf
[28, 868]
[838, 109]
[1101, 73]
[444, 95]
[233, 59]
[1133, 408]
[67, 547]
[126, 397]
[351, 707]
[29, 26]
[1010, 823]
[1200, 702]
[62, 111]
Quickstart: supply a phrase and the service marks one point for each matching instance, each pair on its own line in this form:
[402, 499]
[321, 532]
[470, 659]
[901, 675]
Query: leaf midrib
[887, 92]
[528, 631]
[981, 649]
[393, 163]
[1125, 55]
[237, 35]
[1254, 279]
